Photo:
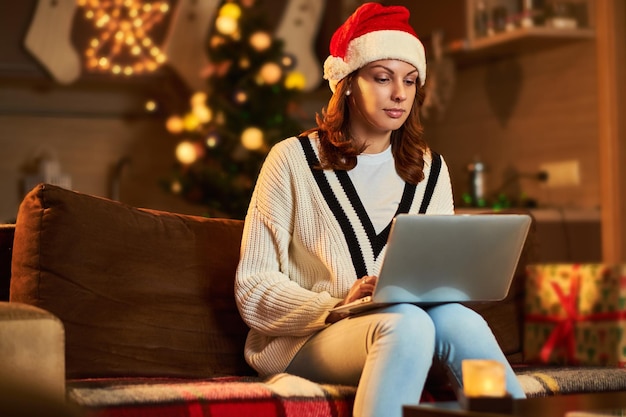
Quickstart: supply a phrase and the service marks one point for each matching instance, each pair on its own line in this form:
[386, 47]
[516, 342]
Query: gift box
[575, 314]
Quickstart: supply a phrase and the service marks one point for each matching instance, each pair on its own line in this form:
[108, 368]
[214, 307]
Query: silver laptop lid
[451, 258]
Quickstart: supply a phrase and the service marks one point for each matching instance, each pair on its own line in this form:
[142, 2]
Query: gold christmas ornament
[202, 113]
[231, 10]
[226, 25]
[252, 138]
[191, 122]
[212, 141]
[270, 73]
[295, 81]
[198, 98]
[186, 152]
[287, 61]
[260, 41]
[241, 97]
[174, 125]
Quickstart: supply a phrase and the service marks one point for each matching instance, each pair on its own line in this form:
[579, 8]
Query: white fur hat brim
[375, 46]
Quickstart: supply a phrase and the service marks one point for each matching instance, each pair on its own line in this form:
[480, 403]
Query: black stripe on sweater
[435, 168]
[344, 222]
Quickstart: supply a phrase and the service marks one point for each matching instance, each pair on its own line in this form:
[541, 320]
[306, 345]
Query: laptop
[434, 259]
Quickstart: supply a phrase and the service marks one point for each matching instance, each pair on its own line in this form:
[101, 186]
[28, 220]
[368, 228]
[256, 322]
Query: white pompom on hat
[373, 32]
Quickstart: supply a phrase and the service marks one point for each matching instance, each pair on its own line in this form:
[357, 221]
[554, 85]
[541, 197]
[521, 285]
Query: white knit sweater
[305, 242]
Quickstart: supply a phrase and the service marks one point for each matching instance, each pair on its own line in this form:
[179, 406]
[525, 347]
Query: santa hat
[371, 33]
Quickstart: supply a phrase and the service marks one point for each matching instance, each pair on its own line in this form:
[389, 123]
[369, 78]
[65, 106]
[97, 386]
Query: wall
[88, 149]
[519, 112]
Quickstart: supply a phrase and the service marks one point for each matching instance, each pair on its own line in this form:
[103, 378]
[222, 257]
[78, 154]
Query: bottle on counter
[481, 20]
[476, 171]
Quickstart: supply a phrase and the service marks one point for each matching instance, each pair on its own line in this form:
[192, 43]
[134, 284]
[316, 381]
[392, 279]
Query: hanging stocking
[48, 39]
[298, 30]
[186, 40]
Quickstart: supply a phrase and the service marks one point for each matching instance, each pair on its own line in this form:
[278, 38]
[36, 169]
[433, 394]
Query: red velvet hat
[371, 33]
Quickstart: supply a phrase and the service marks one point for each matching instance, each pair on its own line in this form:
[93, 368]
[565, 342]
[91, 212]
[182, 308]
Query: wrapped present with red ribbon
[575, 314]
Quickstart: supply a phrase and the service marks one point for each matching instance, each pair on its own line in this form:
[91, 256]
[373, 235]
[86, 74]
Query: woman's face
[382, 93]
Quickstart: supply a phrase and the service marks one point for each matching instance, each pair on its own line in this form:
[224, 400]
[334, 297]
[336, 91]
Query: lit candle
[483, 378]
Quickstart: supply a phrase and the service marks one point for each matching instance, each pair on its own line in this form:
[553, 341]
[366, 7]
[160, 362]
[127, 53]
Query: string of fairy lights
[123, 45]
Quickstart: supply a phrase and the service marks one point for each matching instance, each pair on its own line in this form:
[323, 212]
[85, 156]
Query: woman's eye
[381, 79]
[409, 82]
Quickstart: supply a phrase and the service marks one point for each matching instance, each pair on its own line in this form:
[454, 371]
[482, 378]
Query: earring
[348, 92]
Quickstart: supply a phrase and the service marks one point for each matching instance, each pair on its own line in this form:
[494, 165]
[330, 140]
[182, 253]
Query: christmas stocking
[298, 30]
[48, 39]
[186, 40]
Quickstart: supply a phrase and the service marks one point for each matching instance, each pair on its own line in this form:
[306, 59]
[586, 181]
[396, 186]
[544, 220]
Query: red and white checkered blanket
[281, 395]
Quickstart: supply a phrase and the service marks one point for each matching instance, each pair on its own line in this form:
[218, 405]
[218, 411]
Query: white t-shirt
[379, 186]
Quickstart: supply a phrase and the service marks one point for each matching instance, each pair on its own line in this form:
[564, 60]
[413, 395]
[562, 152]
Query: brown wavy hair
[338, 151]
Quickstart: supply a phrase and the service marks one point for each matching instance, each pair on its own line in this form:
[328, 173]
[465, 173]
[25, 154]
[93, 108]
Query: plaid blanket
[544, 381]
[281, 395]
[286, 395]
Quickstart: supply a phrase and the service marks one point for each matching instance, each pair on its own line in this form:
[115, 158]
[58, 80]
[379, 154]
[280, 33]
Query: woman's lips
[394, 113]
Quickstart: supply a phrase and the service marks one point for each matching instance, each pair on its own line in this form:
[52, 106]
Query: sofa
[142, 304]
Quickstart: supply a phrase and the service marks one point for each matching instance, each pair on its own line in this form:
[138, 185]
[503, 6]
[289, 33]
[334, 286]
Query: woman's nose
[399, 93]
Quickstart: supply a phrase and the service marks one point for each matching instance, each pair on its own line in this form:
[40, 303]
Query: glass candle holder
[483, 378]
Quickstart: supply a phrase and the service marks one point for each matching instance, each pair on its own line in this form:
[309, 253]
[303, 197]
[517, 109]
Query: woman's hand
[361, 288]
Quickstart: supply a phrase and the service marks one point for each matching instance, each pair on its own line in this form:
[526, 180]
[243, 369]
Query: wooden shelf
[516, 42]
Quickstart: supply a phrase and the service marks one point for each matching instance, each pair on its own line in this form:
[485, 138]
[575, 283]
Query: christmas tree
[227, 130]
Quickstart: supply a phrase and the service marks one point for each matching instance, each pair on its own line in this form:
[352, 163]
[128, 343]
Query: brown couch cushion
[6, 246]
[140, 292]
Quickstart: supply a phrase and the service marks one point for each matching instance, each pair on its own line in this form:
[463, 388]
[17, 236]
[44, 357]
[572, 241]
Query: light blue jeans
[388, 353]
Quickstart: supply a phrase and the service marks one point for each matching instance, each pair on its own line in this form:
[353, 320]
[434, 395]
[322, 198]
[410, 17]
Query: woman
[317, 225]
